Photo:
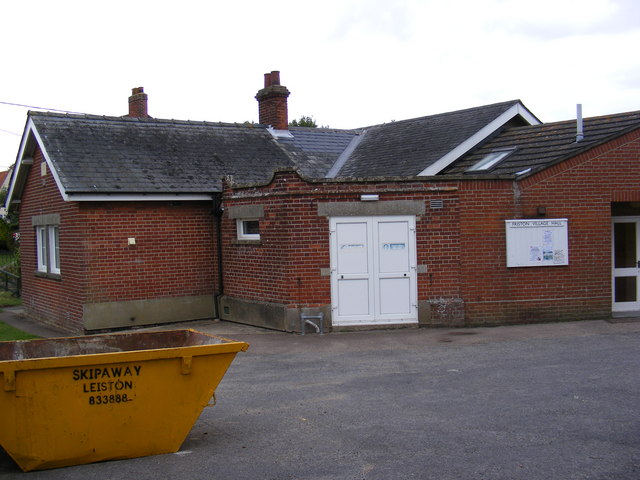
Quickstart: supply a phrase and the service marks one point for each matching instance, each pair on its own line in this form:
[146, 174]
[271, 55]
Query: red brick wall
[174, 255]
[581, 190]
[462, 245]
[286, 266]
[56, 302]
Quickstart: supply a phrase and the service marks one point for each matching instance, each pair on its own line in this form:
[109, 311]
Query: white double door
[373, 270]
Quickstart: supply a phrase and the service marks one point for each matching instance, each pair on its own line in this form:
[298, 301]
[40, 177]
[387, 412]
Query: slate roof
[315, 150]
[93, 154]
[407, 147]
[540, 146]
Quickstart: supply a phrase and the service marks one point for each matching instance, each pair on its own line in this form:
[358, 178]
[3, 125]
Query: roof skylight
[490, 160]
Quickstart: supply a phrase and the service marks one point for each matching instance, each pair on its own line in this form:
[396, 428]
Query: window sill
[52, 276]
[246, 242]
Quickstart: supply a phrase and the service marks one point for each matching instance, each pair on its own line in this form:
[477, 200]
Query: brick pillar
[272, 102]
[138, 103]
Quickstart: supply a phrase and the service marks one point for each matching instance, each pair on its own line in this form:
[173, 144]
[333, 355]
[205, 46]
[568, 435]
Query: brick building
[481, 216]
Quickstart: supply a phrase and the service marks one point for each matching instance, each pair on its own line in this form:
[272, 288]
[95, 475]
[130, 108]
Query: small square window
[248, 229]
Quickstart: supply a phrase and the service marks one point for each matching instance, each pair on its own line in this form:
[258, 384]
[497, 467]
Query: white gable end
[475, 139]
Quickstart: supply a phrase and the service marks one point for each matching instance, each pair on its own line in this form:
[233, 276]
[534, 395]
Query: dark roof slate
[93, 154]
[320, 148]
[540, 146]
[407, 147]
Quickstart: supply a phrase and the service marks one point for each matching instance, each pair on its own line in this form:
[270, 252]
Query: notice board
[537, 243]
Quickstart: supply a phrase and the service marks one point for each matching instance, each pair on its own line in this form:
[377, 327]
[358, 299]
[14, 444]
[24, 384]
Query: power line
[7, 131]
[39, 108]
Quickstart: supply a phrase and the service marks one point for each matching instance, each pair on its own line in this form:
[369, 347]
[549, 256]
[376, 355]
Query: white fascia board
[137, 197]
[479, 136]
[30, 129]
[16, 167]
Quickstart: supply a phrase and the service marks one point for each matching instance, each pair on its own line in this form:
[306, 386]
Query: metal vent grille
[436, 204]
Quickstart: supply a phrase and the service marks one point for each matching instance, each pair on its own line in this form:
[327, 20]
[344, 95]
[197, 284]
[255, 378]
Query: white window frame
[48, 249]
[490, 160]
[242, 233]
[41, 248]
[53, 232]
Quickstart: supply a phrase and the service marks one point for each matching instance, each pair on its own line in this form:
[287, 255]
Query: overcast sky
[347, 63]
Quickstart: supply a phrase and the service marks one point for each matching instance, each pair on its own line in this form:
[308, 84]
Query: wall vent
[436, 204]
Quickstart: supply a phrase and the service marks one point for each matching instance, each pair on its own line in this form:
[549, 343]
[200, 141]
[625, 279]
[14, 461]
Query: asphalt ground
[552, 401]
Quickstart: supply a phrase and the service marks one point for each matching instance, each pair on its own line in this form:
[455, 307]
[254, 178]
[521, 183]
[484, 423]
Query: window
[48, 249]
[490, 160]
[248, 229]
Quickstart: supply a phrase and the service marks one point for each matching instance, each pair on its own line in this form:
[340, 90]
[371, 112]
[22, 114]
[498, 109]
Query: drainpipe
[217, 212]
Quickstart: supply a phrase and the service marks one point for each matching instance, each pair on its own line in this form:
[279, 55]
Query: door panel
[393, 246]
[395, 297]
[394, 253]
[625, 255]
[354, 298]
[353, 248]
[352, 286]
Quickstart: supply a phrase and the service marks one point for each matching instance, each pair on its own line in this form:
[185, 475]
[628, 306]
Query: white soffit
[138, 197]
[479, 136]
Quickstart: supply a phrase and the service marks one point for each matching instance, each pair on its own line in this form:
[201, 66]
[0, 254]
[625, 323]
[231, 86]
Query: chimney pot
[272, 102]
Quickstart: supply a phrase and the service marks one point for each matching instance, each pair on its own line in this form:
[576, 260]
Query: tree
[8, 226]
[305, 121]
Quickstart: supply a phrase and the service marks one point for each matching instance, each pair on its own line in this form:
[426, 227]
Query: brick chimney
[272, 102]
[138, 103]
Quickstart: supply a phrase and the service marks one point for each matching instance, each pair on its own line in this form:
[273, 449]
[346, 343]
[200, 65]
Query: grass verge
[8, 300]
[7, 332]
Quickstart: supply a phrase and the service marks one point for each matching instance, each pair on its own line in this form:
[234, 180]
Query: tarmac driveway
[558, 401]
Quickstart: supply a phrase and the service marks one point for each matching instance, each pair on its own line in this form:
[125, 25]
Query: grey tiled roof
[120, 155]
[407, 147]
[93, 154]
[316, 149]
[539, 146]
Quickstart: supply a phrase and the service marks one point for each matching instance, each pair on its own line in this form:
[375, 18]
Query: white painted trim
[138, 197]
[30, 129]
[479, 136]
[344, 156]
[34, 130]
[241, 235]
[622, 307]
[16, 167]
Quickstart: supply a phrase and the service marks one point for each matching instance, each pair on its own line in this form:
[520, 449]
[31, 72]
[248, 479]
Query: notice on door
[537, 243]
